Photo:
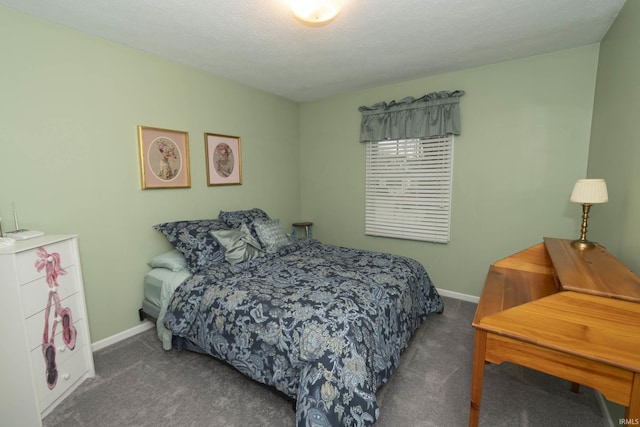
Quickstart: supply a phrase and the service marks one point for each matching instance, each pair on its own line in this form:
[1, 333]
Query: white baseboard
[458, 295]
[145, 325]
[606, 414]
[148, 325]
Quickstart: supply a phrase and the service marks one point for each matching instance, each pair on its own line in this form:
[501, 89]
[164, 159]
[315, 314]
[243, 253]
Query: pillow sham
[172, 260]
[238, 245]
[234, 219]
[271, 235]
[193, 240]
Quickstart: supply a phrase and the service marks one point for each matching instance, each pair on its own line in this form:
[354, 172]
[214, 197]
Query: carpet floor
[137, 383]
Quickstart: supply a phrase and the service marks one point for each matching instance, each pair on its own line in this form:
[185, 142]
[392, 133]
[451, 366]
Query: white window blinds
[408, 188]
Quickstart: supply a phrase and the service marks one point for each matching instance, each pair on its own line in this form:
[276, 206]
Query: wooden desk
[587, 332]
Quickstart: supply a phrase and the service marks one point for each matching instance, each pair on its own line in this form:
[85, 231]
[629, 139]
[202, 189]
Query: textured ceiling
[371, 43]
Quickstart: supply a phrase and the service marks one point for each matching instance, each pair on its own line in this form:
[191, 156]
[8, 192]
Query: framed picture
[224, 160]
[164, 158]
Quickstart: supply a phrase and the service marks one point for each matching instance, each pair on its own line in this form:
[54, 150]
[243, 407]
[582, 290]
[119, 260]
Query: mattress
[153, 282]
[159, 285]
[149, 310]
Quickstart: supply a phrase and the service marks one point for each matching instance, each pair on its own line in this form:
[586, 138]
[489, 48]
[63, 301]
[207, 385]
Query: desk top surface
[593, 271]
[602, 329]
[554, 295]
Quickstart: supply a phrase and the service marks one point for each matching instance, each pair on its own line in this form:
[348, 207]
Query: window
[408, 188]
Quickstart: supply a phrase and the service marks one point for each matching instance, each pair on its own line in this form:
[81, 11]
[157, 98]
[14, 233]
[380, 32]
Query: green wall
[615, 140]
[70, 104]
[614, 152]
[524, 142]
[69, 107]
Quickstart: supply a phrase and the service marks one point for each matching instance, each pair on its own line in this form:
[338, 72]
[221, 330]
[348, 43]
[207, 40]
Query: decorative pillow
[271, 235]
[193, 240]
[238, 245]
[235, 219]
[172, 260]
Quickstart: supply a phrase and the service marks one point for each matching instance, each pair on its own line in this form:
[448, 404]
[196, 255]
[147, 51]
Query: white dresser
[46, 348]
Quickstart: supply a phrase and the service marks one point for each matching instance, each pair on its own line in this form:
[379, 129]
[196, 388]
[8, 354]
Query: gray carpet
[139, 384]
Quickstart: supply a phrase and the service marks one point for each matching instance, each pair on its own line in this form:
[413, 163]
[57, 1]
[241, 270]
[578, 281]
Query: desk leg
[633, 410]
[479, 351]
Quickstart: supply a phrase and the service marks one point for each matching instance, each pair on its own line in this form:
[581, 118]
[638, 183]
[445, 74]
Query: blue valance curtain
[434, 114]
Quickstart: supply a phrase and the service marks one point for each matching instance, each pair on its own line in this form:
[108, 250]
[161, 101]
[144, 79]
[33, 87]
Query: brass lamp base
[583, 244]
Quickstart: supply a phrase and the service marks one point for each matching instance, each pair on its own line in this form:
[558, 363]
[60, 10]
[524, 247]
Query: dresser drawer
[70, 370]
[35, 323]
[62, 351]
[24, 301]
[35, 294]
[26, 261]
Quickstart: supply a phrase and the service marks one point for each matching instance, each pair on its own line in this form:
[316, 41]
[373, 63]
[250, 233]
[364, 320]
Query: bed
[323, 324]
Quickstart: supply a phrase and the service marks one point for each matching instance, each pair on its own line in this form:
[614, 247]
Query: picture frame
[164, 158]
[224, 159]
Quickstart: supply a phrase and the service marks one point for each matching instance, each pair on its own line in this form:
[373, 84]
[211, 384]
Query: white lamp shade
[316, 11]
[590, 191]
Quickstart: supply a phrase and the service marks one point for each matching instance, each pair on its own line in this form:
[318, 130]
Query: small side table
[307, 228]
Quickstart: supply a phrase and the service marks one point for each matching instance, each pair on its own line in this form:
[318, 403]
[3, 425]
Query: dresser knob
[62, 348]
[66, 376]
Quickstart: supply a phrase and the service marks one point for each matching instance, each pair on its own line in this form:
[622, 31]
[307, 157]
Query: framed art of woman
[164, 158]
[224, 161]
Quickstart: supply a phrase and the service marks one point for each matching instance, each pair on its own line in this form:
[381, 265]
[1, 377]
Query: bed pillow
[193, 240]
[172, 260]
[238, 245]
[235, 219]
[271, 235]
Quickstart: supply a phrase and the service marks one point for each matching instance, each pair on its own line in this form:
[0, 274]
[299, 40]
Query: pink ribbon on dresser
[51, 264]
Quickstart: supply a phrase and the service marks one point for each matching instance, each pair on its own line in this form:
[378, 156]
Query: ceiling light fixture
[316, 12]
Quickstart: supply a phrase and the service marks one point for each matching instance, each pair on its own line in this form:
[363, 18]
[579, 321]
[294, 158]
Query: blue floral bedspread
[323, 324]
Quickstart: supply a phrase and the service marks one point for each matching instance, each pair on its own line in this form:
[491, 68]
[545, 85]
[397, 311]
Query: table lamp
[587, 192]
